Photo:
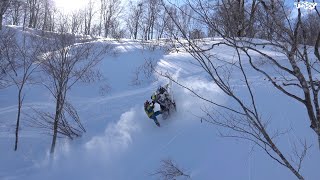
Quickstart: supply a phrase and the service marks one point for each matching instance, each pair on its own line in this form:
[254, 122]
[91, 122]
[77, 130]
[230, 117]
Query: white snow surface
[122, 143]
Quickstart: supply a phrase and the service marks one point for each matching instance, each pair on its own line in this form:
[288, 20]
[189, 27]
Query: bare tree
[65, 63]
[231, 14]
[169, 170]
[47, 15]
[272, 19]
[111, 10]
[243, 117]
[34, 9]
[186, 15]
[25, 14]
[4, 4]
[161, 23]
[89, 13]
[134, 18]
[77, 21]
[310, 22]
[152, 7]
[36, 13]
[164, 26]
[16, 8]
[171, 16]
[22, 54]
[101, 17]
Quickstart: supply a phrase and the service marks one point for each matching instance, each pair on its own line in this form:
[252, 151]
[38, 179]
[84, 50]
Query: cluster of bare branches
[169, 170]
[4, 4]
[6, 64]
[45, 121]
[143, 72]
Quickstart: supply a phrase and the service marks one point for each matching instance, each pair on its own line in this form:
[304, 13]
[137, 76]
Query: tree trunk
[316, 47]
[45, 19]
[1, 18]
[241, 18]
[18, 118]
[152, 29]
[107, 26]
[136, 30]
[101, 16]
[319, 140]
[15, 18]
[56, 121]
[250, 28]
[24, 18]
[31, 18]
[35, 19]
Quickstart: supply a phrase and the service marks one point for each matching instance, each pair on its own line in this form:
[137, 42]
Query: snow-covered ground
[122, 143]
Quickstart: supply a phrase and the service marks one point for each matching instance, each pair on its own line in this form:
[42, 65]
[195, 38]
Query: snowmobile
[163, 96]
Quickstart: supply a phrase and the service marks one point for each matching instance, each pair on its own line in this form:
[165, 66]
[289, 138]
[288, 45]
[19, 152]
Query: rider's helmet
[154, 97]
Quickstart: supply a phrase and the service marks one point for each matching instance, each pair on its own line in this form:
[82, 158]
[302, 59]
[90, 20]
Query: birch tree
[22, 53]
[65, 63]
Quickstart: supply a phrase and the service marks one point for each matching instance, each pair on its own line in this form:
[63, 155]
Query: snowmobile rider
[155, 97]
[148, 108]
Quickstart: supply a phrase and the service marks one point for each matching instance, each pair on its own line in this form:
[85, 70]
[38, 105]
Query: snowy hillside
[122, 143]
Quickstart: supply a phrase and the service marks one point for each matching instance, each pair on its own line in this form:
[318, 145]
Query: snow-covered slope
[122, 143]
